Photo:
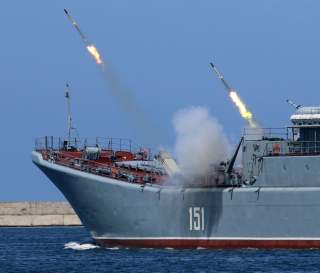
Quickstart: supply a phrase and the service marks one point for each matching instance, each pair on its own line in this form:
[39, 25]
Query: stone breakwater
[30, 214]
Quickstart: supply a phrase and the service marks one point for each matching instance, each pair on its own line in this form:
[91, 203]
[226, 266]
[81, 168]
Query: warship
[124, 197]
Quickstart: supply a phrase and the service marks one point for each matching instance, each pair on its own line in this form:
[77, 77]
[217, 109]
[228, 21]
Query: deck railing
[266, 133]
[289, 147]
[304, 147]
[105, 143]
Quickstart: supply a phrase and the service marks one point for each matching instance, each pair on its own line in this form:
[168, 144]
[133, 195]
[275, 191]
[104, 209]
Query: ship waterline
[213, 243]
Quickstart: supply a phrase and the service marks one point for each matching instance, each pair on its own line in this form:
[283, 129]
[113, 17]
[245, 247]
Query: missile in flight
[235, 98]
[90, 47]
[74, 23]
[226, 85]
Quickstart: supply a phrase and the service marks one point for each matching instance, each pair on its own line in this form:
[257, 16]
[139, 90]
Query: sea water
[72, 250]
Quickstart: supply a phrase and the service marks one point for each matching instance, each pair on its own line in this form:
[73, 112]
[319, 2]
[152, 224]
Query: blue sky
[160, 52]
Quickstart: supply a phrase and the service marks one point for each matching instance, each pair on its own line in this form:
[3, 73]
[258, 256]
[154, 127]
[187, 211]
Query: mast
[69, 117]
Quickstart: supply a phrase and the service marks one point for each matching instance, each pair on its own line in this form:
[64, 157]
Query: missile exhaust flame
[244, 112]
[94, 53]
[242, 108]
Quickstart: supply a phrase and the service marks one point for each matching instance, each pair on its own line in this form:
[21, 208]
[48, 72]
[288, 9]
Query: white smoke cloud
[200, 141]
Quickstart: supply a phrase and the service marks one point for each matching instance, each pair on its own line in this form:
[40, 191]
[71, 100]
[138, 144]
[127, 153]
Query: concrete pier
[30, 214]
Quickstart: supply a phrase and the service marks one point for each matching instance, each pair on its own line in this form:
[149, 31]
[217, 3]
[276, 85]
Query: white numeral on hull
[196, 218]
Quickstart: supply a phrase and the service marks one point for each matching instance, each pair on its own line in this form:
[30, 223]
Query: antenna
[69, 118]
[70, 126]
[297, 106]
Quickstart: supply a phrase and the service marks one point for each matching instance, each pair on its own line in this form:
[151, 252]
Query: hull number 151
[196, 218]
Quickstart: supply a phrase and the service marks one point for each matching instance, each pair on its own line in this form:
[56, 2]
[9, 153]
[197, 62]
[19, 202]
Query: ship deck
[120, 160]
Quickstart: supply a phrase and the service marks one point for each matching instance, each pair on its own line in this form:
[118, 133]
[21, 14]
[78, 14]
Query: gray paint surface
[270, 208]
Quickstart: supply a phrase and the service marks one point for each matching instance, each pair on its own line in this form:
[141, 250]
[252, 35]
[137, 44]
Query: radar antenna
[297, 106]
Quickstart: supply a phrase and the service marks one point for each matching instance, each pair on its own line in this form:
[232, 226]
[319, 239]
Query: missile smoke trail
[124, 97]
[245, 113]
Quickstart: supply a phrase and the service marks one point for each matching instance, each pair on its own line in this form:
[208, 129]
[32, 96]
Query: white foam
[77, 246]
[114, 248]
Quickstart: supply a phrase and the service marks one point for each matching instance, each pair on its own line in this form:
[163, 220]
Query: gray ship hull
[128, 214]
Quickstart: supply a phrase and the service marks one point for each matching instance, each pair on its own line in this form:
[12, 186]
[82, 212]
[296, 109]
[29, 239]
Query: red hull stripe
[218, 244]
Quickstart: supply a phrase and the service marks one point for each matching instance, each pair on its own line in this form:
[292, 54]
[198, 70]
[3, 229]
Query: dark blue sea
[72, 250]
